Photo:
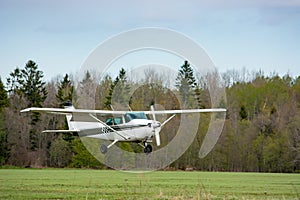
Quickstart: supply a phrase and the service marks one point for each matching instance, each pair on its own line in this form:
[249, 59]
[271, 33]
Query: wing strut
[101, 122]
[114, 142]
[164, 123]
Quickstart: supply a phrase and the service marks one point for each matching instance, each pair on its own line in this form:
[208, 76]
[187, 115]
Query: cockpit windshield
[135, 115]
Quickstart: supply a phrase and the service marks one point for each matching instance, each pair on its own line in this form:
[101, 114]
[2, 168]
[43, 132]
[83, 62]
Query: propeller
[156, 127]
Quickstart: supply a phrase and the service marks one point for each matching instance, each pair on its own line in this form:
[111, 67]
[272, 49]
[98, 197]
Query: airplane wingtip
[25, 110]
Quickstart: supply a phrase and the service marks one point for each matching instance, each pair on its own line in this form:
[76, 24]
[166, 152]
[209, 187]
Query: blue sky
[59, 35]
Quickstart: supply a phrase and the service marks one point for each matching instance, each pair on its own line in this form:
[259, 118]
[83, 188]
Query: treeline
[261, 131]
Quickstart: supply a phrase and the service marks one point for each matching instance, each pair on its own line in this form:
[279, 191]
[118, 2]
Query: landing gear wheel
[148, 149]
[103, 148]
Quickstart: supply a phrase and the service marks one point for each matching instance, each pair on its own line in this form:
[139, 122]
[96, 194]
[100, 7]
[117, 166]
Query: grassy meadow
[109, 184]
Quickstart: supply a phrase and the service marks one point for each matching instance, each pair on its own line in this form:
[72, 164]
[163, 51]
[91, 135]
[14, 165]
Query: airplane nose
[156, 124]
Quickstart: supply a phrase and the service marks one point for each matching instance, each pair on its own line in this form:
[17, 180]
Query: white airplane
[120, 126]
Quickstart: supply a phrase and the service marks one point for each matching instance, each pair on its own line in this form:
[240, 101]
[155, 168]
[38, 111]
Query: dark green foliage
[60, 153]
[198, 92]
[243, 113]
[28, 83]
[82, 158]
[65, 91]
[3, 96]
[4, 151]
[33, 87]
[15, 82]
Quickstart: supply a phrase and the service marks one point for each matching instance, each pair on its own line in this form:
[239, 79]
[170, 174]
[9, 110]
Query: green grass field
[108, 184]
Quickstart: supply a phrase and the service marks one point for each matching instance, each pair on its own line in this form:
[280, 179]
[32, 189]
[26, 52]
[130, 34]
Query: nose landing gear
[148, 149]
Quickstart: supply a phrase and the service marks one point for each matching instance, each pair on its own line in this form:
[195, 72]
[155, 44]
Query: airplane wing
[63, 111]
[188, 111]
[111, 112]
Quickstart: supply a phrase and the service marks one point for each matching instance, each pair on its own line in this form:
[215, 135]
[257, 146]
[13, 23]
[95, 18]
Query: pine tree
[15, 82]
[33, 87]
[65, 91]
[3, 133]
[118, 93]
[3, 96]
[186, 83]
[28, 83]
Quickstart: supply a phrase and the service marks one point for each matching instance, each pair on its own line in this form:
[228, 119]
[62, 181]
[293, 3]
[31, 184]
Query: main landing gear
[103, 148]
[147, 148]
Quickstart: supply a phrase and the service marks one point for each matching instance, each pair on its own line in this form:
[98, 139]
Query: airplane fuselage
[135, 130]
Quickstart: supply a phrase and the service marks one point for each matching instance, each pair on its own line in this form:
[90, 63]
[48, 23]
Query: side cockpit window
[114, 121]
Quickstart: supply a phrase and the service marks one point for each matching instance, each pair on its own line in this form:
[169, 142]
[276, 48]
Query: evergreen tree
[186, 83]
[4, 152]
[118, 93]
[3, 96]
[15, 82]
[118, 97]
[3, 134]
[65, 91]
[198, 92]
[28, 83]
[33, 86]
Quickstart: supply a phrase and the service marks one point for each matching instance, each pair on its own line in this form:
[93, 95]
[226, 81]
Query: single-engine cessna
[120, 126]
